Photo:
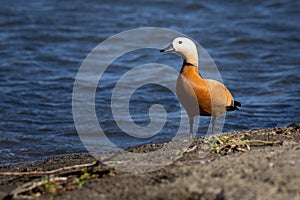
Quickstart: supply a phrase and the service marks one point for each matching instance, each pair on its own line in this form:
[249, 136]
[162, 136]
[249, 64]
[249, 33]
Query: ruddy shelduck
[199, 96]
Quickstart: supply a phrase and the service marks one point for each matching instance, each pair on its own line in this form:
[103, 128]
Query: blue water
[43, 43]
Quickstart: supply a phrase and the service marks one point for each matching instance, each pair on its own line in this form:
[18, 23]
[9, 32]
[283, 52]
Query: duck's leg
[213, 122]
[191, 148]
[191, 120]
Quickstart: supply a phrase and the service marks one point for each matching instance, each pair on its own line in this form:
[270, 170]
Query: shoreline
[249, 164]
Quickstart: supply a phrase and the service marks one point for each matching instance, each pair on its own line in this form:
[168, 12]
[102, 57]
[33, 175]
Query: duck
[199, 96]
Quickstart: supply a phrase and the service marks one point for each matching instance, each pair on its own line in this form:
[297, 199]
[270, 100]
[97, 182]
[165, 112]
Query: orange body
[200, 96]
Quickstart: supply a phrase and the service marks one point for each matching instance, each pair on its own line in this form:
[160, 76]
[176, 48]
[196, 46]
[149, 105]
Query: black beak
[168, 49]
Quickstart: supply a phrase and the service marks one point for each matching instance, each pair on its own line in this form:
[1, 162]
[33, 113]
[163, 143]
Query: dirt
[266, 168]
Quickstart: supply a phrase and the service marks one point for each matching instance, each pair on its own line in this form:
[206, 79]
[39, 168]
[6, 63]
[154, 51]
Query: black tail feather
[235, 106]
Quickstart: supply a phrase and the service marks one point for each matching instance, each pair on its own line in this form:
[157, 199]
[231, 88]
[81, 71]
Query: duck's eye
[180, 42]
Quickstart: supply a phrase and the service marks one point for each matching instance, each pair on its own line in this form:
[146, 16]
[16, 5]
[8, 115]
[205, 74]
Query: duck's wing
[221, 97]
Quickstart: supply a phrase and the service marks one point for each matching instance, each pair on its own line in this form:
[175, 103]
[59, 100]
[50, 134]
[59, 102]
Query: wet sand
[251, 164]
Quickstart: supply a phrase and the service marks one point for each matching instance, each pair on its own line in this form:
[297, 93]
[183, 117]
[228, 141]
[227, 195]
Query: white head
[186, 48]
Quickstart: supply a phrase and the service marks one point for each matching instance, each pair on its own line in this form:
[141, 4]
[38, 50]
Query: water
[254, 44]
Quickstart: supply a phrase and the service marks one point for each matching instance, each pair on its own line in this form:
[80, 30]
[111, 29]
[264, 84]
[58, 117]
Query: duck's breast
[193, 94]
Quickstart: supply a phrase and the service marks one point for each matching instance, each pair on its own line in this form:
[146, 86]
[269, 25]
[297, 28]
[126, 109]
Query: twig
[239, 143]
[187, 150]
[31, 185]
[47, 172]
[263, 141]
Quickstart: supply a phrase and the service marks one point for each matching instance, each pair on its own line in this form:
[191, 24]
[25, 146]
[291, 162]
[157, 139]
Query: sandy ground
[243, 165]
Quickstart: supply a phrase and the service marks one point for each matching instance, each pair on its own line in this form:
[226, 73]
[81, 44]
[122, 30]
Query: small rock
[271, 164]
